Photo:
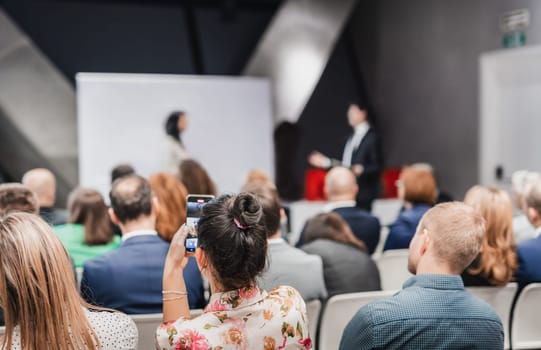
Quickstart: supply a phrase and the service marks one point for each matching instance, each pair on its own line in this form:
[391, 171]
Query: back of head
[16, 197]
[121, 170]
[195, 178]
[171, 124]
[267, 194]
[37, 287]
[456, 231]
[131, 198]
[533, 196]
[87, 207]
[43, 183]
[232, 235]
[340, 184]
[330, 226]
[171, 195]
[418, 185]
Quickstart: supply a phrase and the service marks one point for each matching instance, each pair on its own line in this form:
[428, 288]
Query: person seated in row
[41, 303]
[195, 178]
[231, 253]
[89, 232]
[417, 189]
[341, 190]
[129, 278]
[521, 181]
[42, 182]
[529, 251]
[347, 267]
[433, 310]
[496, 263]
[287, 265]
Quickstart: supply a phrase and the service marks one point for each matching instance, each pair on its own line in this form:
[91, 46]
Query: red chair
[389, 178]
[314, 182]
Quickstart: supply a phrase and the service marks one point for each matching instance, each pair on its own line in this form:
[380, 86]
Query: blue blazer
[129, 279]
[403, 229]
[529, 261]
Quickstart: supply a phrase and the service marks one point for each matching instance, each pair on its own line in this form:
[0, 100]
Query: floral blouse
[244, 319]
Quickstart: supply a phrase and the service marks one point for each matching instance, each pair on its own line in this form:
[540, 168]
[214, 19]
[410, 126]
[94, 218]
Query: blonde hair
[37, 288]
[456, 231]
[497, 261]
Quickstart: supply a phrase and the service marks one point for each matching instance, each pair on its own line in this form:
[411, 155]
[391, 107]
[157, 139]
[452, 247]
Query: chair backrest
[2, 331]
[386, 210]
[525, 329]
[79, 274]
[383, 233]
[313, 309]
[147, 325]
[393, 268]
[339, 310]
[501, 300]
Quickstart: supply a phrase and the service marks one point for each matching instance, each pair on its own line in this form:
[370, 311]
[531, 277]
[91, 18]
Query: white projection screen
[121, 119]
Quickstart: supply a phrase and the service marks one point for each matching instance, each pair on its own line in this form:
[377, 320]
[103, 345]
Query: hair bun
[247, 209]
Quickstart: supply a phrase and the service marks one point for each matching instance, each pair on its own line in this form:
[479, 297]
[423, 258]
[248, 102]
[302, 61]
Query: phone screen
[194, 208]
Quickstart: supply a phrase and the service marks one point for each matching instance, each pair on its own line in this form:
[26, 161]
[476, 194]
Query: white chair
[383, 233]
[339, 310]
[299, 212]
[393, 268]
[313, 309]
[147, 325]
[386, 210]
[501, 300]
[525, 327]
[2, 331]
[79, 274]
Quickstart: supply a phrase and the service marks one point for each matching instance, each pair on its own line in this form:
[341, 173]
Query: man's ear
[113, 217]
[155, 205]
[282, 213]
[425, 243]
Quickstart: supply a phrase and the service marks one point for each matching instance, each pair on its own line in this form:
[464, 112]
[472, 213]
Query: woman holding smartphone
[231, 253]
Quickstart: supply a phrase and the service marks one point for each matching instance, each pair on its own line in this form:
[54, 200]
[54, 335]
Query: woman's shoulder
[115, 330]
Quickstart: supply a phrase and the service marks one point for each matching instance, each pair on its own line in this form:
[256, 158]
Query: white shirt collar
[330, 206]
[138, 233]
[276, 240]
[362, 128]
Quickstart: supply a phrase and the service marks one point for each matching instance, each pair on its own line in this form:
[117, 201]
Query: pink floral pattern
[243, 319]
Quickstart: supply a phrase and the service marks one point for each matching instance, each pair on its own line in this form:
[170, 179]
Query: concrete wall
[421, 67]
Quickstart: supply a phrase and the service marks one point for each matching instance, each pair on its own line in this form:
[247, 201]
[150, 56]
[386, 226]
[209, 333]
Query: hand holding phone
[194, 208]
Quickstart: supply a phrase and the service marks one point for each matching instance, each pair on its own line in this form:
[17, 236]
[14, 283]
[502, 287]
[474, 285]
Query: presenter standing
[362, 154]
[175, 151]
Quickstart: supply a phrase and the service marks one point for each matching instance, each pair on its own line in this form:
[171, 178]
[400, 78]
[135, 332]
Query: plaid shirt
[430, 312]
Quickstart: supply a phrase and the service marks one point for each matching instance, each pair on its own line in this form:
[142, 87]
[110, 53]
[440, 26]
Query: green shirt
[72, 236]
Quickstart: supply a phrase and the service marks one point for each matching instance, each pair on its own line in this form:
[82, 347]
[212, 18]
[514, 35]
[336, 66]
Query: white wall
[121, 119]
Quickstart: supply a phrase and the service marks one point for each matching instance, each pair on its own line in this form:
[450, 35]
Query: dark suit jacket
[529, 261]
[369, 155]
[403, 229]
[129, 279]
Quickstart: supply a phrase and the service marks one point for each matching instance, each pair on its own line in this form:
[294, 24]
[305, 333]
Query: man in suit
[341, 190]
[287, 265]
[529, 251]
[433, 310]
[362, 153]
[129, 278]
[43, 183]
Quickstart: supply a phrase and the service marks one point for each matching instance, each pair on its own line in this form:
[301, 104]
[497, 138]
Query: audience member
[417, 188]
[442, 196]
[257, 175]
[89, 233]
[287, 265]
[171, 195]
[529, 251]
[42, 182]
[16, 197]
[176, 152]
[341, 190]
[42, 306]
[231, 254]
[129, 278]
[347, 267]
[121, 170]
[433, 310]
[521, 180]
[195, 178]
[497, 261]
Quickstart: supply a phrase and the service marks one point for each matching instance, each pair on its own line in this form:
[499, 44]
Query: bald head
[42, 182]
[131, 198]
[340, 184]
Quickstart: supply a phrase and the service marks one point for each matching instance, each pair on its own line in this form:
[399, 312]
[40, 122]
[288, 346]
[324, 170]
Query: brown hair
[195, 178]
[16, 197]
[331, 226]
[37, 288]
[498, 260]
[267, 194]
[87, 207]
[456, 230]
[171, 195]
[419, 185]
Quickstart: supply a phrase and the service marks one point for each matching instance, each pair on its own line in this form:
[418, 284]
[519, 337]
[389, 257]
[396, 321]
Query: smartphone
[194, 208]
